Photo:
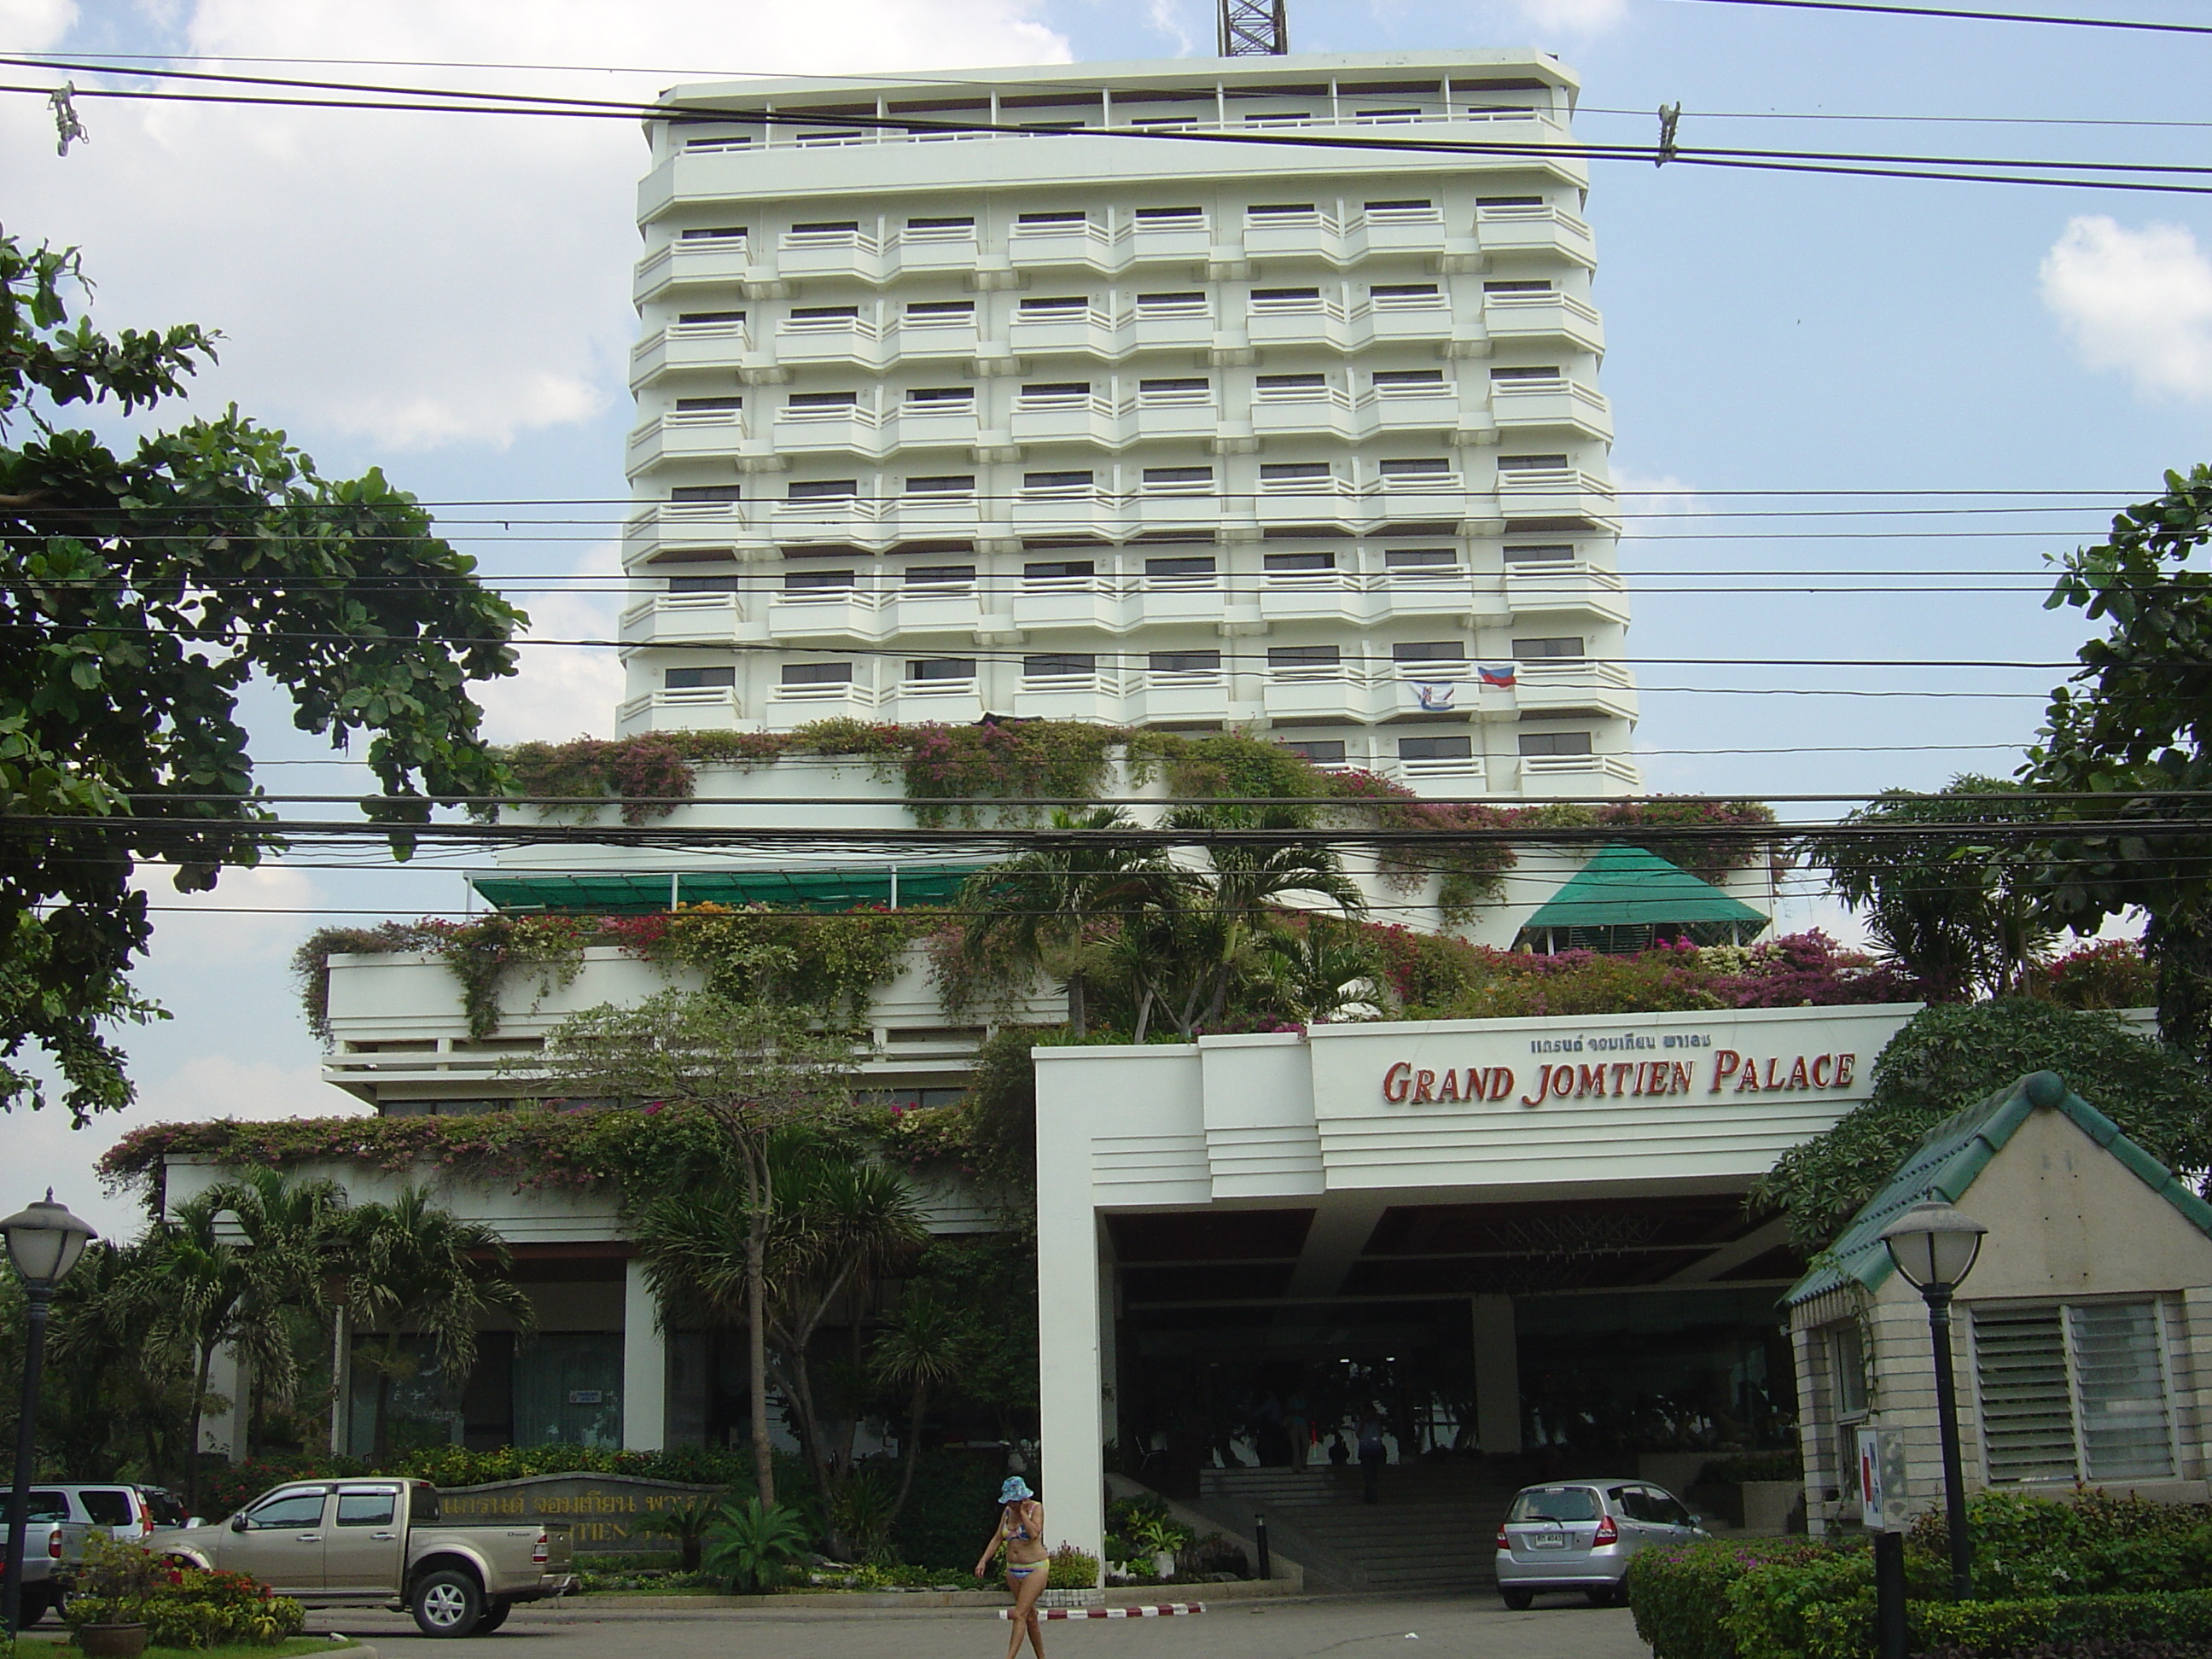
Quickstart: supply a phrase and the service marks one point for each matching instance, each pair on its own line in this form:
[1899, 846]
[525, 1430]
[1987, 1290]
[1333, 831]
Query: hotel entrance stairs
[1436, 1528]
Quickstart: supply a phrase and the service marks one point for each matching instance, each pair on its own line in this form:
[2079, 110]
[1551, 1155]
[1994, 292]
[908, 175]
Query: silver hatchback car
[1580, 1535]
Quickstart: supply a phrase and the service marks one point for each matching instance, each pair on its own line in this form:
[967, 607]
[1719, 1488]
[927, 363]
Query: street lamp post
[44, 1242]
[1934, 1246]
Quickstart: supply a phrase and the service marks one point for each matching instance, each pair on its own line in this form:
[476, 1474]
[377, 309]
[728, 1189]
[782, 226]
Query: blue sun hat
[1016, 1490]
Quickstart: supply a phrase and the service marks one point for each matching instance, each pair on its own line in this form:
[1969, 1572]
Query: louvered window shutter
[2027, 1410]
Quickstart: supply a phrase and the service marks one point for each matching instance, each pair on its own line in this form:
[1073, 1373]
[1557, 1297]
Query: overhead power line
[446, 100]
[1974, 16]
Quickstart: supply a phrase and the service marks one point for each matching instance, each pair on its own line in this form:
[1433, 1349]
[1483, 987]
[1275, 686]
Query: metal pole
[1260, 1542]
[1889, 1593]
[1947, 1411]
[35, 1297]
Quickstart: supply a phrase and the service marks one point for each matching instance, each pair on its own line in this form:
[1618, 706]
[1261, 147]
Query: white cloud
[1581, 16]
[420, 280]
[35, 25]
[2137, 300]
[252, 916]
[561, 691]
[1181, 23]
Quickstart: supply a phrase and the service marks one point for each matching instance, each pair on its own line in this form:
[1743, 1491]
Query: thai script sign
[603, 1512]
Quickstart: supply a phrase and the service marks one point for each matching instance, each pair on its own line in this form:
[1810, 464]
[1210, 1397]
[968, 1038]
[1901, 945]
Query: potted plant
[1073, 1582]
[107, 1607]
[1162, 1537]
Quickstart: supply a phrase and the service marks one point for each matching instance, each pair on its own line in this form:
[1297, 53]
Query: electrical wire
[1954, 169]
[1974, 16]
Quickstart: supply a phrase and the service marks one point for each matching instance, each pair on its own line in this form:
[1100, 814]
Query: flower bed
[181, 1607]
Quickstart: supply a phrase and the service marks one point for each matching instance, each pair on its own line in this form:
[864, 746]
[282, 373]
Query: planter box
[1073, 1598]
[1769, 1507]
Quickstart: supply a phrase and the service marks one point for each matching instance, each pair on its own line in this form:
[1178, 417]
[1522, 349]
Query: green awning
[1628, 887]
[634, 892]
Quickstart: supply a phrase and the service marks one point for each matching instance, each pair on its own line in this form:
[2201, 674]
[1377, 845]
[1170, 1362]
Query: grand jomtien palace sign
[1624, 1065]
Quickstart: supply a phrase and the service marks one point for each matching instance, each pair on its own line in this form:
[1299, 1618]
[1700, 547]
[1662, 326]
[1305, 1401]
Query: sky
[445, 297]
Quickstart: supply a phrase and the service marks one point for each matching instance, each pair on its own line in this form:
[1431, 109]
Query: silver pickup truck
[379, 1543]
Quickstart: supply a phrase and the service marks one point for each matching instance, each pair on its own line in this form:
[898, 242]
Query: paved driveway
[1341, 1627]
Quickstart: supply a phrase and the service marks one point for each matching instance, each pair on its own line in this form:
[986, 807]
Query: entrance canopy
[1625, 899]
[1455, 1206]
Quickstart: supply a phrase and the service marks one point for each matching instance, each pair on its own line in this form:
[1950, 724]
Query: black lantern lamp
[1935, 1246]
[44, 1242]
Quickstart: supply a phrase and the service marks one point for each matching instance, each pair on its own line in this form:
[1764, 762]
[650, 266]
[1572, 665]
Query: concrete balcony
[727, 262]
[1548, 688]
[1068, 697]
[912, 341]
[687, 346]
[679, 438]
[1560, 405]
[1073, 333]
[683, 619]
[1551, 231]
[1543, 318]
[1579, 775]
[1170, 599]
[1317, 694]
[843, 614]
[1077, 602]
[1333, 599]
[947, 611]
[951, 703]
[1194, 696]
[1555, 493]
[1569, 586]
[708, 709]
[796, 705]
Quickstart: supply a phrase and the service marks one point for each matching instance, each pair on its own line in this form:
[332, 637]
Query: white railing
[1335, 397]
[1558, 765]
[722, 330]
[1550, 478]
[855, 238]
[860, 325]
[1299, 305]
[1577, 671]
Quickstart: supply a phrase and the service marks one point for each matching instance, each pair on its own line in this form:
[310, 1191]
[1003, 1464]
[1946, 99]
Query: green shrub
[952, 1507]
[181, 1607]
[2003, 1628]
[1073, 1569]
[1820, 1607]
[1676, 1592]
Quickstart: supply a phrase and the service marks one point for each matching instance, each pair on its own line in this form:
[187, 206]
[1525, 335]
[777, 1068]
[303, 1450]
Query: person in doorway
[1373, 1454]
[1298, 1423]
[1020, 1531]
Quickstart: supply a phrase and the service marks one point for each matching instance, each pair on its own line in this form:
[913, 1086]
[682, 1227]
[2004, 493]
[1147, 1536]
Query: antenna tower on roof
[1254, 28]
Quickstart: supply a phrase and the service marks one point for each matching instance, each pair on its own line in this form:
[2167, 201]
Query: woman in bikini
[1029, 1564]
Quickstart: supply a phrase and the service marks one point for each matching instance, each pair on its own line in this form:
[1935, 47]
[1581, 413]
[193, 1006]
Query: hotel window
[719, 141]
[714, 233]
[824, 316]
[1291, 474]
[941, 399]
[1428, 749]
[1287, 563]
[1321, 751]
[827, 228]
[1189, 218]
[1056, 394]
[708, 318]
[1279, 213]
[1540, 553]
[817, 581]
[705, 493]
[1060, 570]
[1039, 223]
[1417, 558]
[1405, 296]
[697, 679]
[1286, 299]
[706, 584]
[1056, 481]
[1179, 480]
[1304, 656]
[1567, 647]
[942, 668]
[943, 483]
[1184, 568]
[2074, 1392]
[824, 490]
[949, 229]
[1190, 389]
[708, 405]
[1435, 467]
[1290, 388]
[1408, 382]
[821, 403]
[1429, 651]
[1509, 378]
[1537, 744]
[1533, 285]
[818, 673]
[940, 576]
[1185, 662]
[1481, 201]
[1403, 213]
[1057, 308]
[1509, 463]
[939, 313]
[1057, 664]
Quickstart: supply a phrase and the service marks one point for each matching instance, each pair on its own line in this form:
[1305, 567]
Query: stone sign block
[605, 1513]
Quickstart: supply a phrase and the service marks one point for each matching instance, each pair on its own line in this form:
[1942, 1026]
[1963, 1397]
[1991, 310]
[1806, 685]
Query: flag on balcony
[1435, 698]
[1499, 675]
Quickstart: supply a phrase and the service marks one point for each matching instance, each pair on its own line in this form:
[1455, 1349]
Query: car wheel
[39, 1601]
[494, 1615]
[1608, 1595]
[446, 1602]
[1517, 1600]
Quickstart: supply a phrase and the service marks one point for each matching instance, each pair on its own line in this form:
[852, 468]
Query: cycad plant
[687, 1525]
[751, 1545]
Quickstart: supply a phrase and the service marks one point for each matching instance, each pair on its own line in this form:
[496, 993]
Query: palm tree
[291, 1231]
[1047, 909]
[210, 1293]
[926, 1345]
[418, 1270]
[1322, 969]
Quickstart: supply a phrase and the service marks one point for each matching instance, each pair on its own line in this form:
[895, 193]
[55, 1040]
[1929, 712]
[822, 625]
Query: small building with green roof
[1626, 899]
[2081, 1339]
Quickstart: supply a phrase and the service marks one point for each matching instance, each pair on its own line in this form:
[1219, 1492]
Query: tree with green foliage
[1952, 1055]
[143, 589]
[752, 1069]
[2136, 724]
[924, 1347]
[1957, 914]
[414, 1270]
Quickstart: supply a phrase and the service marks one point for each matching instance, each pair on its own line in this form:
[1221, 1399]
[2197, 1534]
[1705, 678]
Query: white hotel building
[1164, 433]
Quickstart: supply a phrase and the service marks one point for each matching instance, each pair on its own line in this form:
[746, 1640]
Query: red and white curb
[1158, 1610]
